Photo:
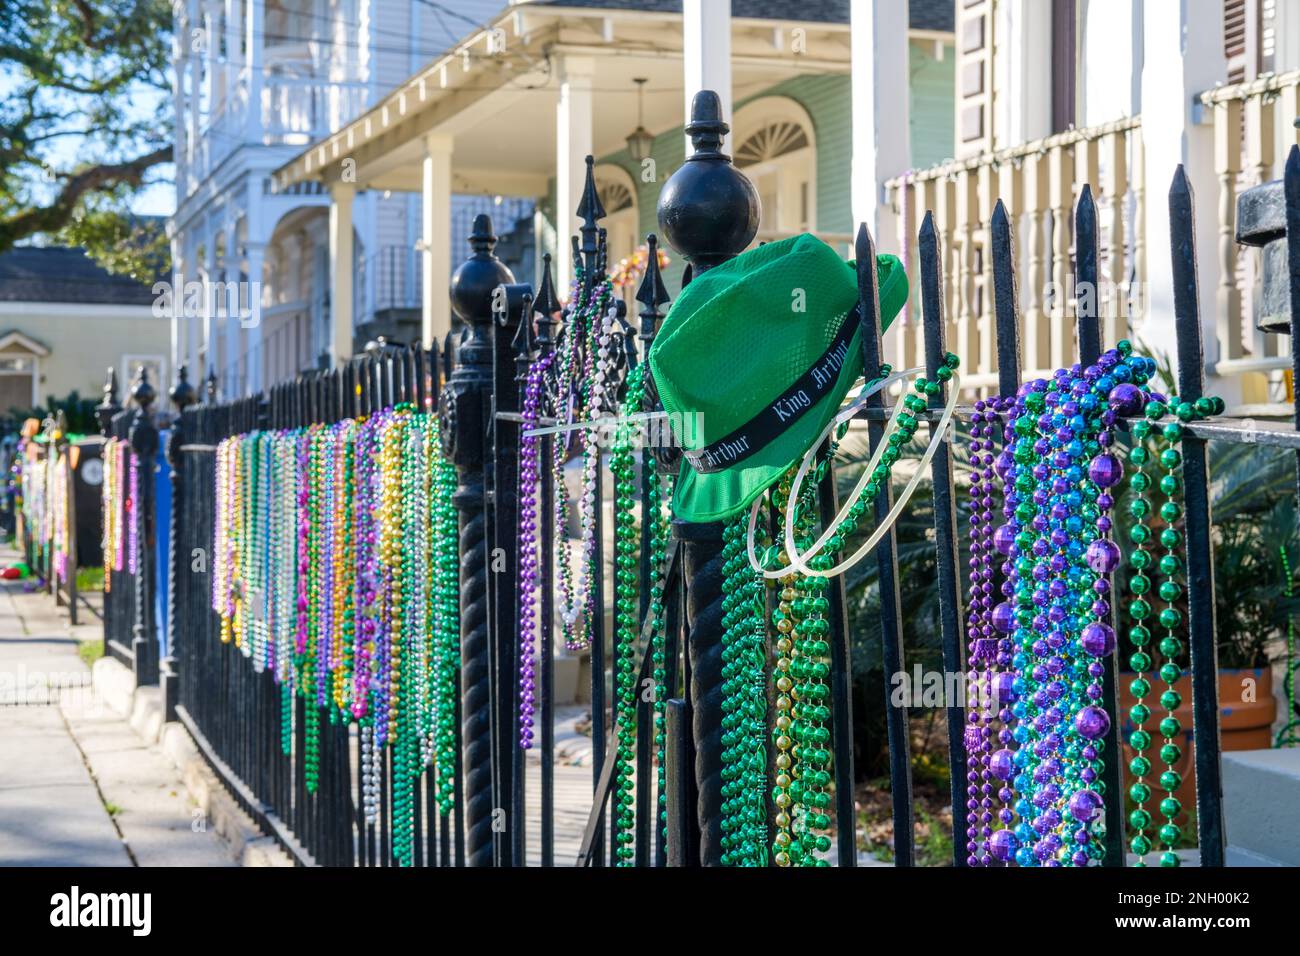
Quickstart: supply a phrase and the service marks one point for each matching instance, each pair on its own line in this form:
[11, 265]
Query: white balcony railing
[297, 111]
[1039, 182]
[293, 110]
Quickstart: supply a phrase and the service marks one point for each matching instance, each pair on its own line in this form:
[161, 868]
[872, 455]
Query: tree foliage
[85, 123]
[79, 414]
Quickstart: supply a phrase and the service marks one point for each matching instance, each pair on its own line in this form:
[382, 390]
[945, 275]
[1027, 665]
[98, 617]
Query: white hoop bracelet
[864, 393]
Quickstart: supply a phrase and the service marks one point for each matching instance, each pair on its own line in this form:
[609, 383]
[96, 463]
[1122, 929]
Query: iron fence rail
[235, 713]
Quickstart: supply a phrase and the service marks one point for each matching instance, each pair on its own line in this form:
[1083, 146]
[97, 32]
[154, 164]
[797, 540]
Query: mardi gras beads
[811, 715]
[226, 515]
[592, 391]
[316, 580]
[1140, 562]
[801, 732]
[112, 523]
[1169, 620]
[259, 535]
[421, 637]
[1058, 469]
[529, 569]
[744, 706]
[132, 502]
[366, 586]
[568, 408]
[801, 729]
[344, 563]
[1290, 732]
[625, 619]
[1059, 429]
[982, 644]
[446, 626]
[660, 491]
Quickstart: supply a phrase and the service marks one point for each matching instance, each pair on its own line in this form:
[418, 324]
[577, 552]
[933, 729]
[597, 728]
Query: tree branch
[94, 179]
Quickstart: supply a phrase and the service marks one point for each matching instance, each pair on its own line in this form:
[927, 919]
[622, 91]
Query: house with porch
[844, 112]
[1115, 94]
[254, 83]
[64, 320]
[513, 110]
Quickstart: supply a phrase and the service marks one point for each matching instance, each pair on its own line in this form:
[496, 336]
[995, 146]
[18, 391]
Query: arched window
[774, 146]
[618, 195]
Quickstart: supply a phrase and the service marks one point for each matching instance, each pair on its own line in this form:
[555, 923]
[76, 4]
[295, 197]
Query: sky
[156, 199]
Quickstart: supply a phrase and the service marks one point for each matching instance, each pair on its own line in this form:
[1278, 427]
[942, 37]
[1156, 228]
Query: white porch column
[1022, 67]
[254, 20]
[233, 55]
[210, 303]
[250, 320]
[193, 318]
[232, 283]
[706, 55]
[179, 324]
[199, 21]
[572, 147]
[1182, 57]
[435, 242]
[208, 67]
[180, 59]
[881, 145]
[341, 265]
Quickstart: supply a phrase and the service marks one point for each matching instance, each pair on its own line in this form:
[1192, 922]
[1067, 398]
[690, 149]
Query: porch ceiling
[500, 112]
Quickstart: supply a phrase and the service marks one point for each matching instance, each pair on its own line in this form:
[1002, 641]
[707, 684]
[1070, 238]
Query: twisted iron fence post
[183, 396]
[144, 445]
[465, 409]
[708, 212]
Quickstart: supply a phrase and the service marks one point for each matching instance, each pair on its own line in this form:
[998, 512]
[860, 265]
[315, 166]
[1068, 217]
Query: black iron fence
[257, 741]
[129, 526]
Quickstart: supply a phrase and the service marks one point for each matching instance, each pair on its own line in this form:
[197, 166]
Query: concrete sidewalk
[78, 787]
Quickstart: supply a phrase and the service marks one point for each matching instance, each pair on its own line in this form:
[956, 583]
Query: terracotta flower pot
[1243, 724]
[1246, 724]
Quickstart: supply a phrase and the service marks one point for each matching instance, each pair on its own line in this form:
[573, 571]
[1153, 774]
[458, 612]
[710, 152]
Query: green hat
[753, 362]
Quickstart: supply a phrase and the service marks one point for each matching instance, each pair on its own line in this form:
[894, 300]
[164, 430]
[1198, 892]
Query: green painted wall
[826, 98]
[933, 90]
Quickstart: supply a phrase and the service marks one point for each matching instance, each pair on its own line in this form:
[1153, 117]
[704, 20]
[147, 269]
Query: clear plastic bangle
[849, 411]
[799, 562]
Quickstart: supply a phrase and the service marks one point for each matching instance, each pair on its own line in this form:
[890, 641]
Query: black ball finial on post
[183, 394]
[210, 387]
[142, 391]
[109, 407]
[708, 211]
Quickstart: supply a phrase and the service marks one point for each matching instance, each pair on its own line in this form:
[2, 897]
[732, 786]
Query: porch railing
[292, 110]
[1039, 183]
